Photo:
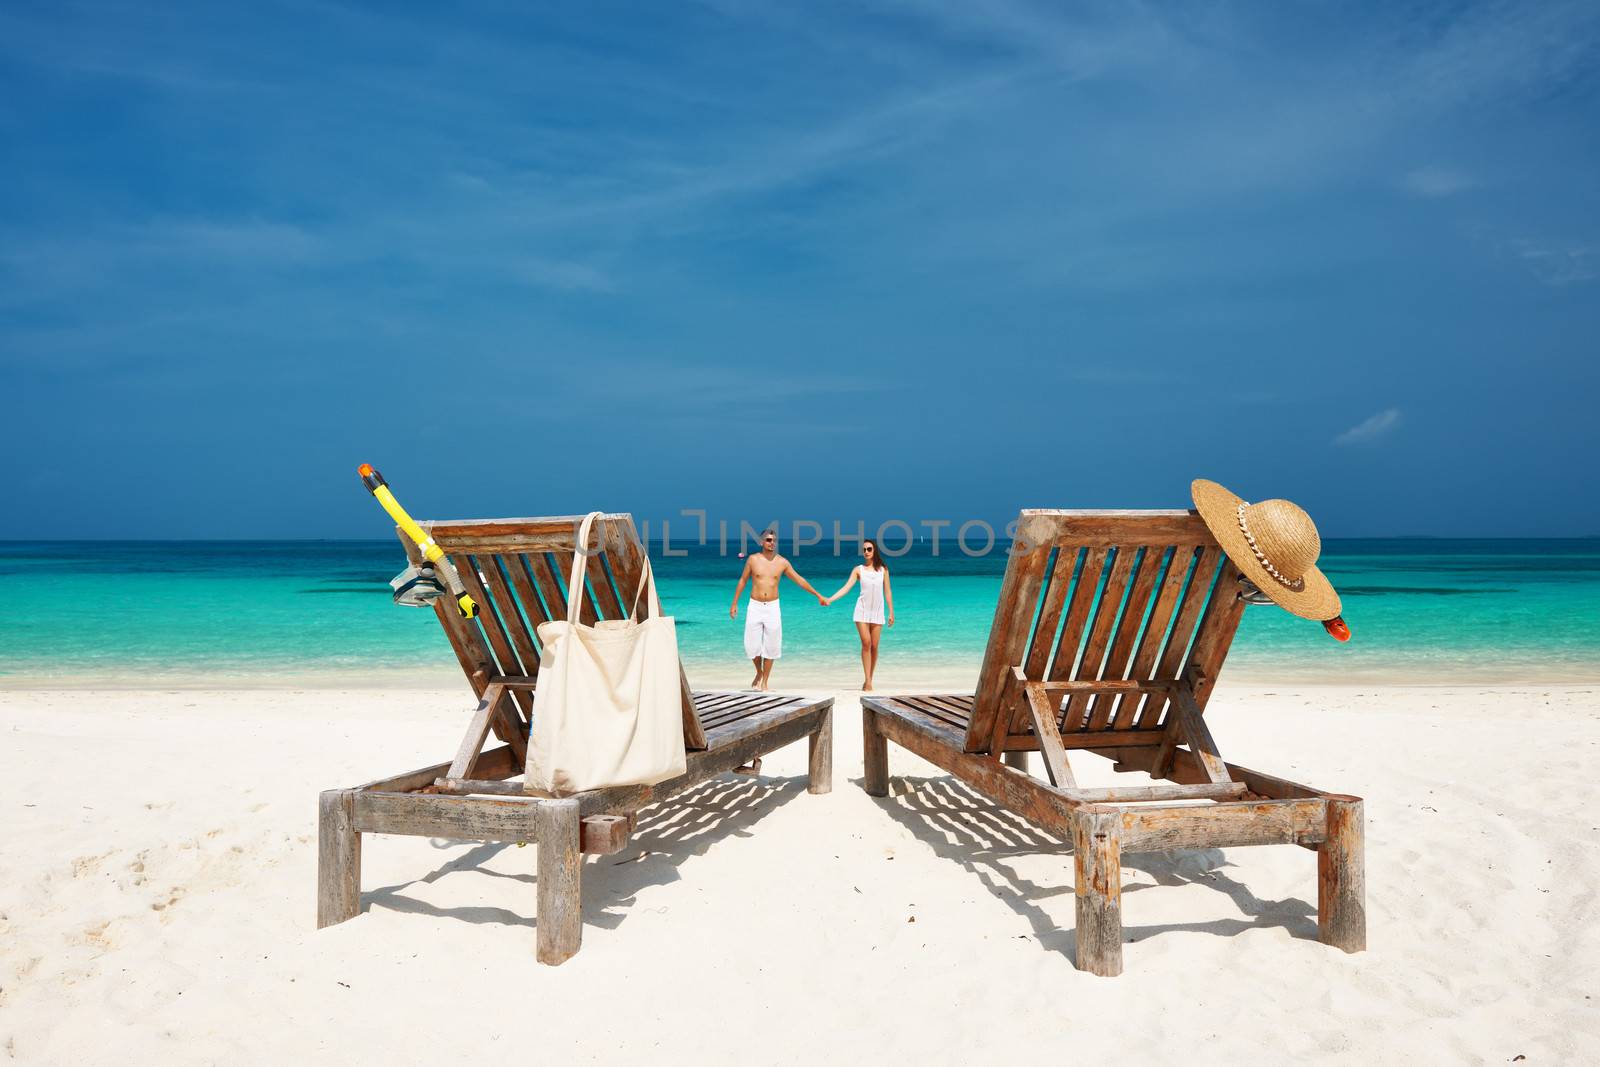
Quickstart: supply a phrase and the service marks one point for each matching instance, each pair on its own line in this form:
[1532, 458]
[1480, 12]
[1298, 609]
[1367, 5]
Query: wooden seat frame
[1108, 637]
[516, 570]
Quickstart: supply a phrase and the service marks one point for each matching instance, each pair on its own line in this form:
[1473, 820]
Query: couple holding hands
[763, 623]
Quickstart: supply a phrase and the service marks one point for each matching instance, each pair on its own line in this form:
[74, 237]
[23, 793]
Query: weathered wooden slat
[1008, 636]
[496, 763]
[1084, 595]
[466, 787]
[509, 543]
[489, 619]
[1128, 627]
[705, 703]
[723, 716]
[533, 605]
[586, 612]
[1226, 825]
[1055, 598]
[1216, 635]
[1195, 734]
[477, 730]
[437, 815]
[794, 707]
[929, 706]
[600, 582]
[1095, 685]
[944, 716]
[1042, 711]
[960, 704]
[489, 622]
[561, 530]
[518, 681]
[511, 619]
[728, 711]
[1108, 528]
[543, 572]
[1122, 794]
[1155, 631]
[922, 704]
[1094, 647]
[1083, 739]
[1172, 655]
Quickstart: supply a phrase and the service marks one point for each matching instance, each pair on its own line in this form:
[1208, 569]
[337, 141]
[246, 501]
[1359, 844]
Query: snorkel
[424, 542]
[1336, 627]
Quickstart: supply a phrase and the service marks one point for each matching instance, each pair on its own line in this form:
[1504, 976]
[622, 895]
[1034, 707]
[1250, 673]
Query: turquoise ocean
[318, 613]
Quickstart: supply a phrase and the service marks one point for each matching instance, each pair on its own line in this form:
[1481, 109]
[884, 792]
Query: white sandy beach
[157, 903]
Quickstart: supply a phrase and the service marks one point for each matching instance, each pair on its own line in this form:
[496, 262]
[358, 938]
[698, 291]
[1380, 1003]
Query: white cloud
[1557, 265]
[1437, 181]
[1371, 429]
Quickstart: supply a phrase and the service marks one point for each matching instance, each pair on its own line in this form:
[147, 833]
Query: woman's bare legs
[868, 632]
[877, 632]
[864, 631]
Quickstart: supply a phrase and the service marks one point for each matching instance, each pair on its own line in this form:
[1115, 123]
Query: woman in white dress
[874, 607]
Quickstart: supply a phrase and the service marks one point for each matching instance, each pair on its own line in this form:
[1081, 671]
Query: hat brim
[1316, 599]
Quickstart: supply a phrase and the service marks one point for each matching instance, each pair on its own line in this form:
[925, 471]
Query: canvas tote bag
[607, 707]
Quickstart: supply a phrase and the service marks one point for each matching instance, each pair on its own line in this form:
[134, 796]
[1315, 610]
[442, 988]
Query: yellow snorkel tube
[432, 552]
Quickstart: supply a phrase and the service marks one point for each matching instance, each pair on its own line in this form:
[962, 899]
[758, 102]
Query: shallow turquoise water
[149, 613]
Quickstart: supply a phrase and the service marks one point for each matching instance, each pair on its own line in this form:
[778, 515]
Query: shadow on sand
[962, 825]
[686, 825]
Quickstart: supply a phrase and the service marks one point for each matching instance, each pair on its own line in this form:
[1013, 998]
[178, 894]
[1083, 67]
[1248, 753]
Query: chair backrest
[517, 571]
[1105, 596]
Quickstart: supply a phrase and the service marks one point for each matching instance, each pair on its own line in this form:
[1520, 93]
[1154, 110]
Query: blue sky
[897, 259]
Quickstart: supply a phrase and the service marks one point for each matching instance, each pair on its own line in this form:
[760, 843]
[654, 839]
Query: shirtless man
[763, 625]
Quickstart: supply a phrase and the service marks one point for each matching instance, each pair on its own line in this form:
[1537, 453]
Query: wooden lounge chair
[1110, 631]
[516, 570]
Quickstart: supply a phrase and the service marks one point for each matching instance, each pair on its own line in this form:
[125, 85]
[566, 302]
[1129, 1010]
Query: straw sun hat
[1274, 544]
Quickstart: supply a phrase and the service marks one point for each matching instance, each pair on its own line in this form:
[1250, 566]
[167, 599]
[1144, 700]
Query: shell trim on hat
[1297, 584]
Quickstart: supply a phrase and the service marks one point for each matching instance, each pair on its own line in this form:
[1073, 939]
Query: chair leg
[560, 916]
[1017, 759]
[1097, 855]
[338, 858]
[820, 756]
[875, 748]
[1342, 878]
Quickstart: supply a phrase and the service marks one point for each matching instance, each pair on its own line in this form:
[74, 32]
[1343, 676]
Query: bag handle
[575, 586]
[647, 577]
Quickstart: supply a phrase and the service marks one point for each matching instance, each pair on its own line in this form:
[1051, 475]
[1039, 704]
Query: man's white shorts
[763, 630]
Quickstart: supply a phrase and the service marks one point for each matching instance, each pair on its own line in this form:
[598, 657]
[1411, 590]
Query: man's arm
[788, 568]
[733, 612]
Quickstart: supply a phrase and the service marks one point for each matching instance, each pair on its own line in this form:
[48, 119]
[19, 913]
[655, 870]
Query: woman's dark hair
[877, 555]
